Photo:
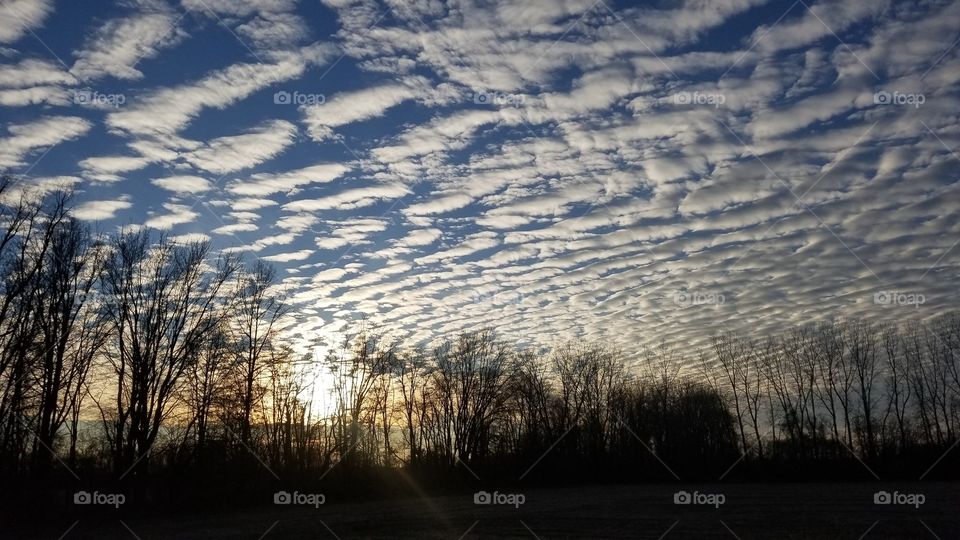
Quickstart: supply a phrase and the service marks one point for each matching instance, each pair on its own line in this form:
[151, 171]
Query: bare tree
[897, 385]
[30, 224]
[162, 302]
[470, 378]
[259, 307]
[863, 355]
[71, 332]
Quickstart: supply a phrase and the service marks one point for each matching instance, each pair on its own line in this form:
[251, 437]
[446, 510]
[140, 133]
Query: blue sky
[626, 172]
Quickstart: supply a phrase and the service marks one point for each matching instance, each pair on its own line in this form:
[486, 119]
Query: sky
[619, 172]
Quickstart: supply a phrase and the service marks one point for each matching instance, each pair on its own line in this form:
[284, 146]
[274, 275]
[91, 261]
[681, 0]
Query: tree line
[132, 356]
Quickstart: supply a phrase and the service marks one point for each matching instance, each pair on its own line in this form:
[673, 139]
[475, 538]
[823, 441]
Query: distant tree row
[139, 356]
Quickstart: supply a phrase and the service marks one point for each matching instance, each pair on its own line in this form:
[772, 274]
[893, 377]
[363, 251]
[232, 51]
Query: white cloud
[420, 237]
[234, 228]
[240, 8]
[183, 185]
[237, 152]
[287, 257]
[349, 199]
[178, 214]
[25, 139]
[269, 183]
[274, 30]
[100, 210]
[250, 203]
[167, 110]
[189, 238]
[33, 72]
[117, 47]
[350, 107]
[109, 168]
[18, 17]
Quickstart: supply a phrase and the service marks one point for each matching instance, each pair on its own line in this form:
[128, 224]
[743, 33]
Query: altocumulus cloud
[552, 168]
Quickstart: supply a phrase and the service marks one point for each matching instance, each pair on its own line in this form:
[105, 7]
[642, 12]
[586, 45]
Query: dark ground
[781, 511]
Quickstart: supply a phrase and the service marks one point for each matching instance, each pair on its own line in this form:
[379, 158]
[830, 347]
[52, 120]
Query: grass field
[784, 511]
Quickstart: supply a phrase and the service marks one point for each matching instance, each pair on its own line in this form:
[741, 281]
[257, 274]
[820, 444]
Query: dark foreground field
[784, 511]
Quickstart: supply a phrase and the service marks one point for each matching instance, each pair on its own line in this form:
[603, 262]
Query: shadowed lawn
[785, 511]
